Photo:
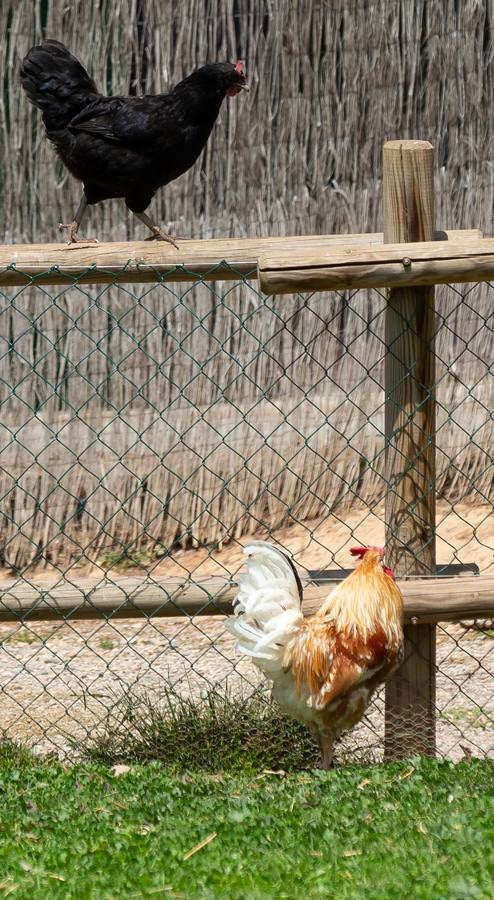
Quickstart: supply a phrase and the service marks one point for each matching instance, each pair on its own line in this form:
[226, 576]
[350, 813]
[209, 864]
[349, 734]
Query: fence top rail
[388, 265]
[151, 261]
[426, 600]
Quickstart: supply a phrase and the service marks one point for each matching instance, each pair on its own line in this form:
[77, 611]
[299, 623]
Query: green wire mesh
[146, 431]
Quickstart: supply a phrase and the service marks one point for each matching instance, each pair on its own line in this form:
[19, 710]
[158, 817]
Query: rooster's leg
[327, 751]
[74, 226]
[157, 233]
[326, 746]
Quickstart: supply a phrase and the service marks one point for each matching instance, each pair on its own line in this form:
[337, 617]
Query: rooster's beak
[244, 87]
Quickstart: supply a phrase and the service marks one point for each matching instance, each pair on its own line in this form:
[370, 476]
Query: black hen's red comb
[239, 67]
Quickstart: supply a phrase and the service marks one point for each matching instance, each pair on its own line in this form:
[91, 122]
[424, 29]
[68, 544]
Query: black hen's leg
[74, 226]
[157, 233]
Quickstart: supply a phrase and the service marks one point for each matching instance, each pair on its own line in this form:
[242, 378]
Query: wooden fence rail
[389, 265]
[145, 261]
[432, 600]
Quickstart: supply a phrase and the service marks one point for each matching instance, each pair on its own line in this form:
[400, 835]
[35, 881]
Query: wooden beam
[149, 261]
[409, 471]
[431, 600]
[119, 598]
[390, 265]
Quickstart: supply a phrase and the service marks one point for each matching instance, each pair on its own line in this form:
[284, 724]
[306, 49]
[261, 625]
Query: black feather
[295, 575]
[123, 146]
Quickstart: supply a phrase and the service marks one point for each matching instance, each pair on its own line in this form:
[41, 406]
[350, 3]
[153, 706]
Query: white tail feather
[267, 607]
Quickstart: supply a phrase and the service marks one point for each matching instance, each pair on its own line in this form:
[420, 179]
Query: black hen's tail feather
[56, 83]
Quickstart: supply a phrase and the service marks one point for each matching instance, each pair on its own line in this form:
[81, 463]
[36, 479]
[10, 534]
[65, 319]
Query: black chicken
[124, 146]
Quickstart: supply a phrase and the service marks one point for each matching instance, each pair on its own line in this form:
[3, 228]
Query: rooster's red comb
[361, 551]
[239, 66]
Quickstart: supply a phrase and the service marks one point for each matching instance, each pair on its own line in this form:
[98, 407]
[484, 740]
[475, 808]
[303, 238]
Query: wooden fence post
[408, 200]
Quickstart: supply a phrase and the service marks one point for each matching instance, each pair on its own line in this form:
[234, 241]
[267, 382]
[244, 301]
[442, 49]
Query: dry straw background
[134, 411]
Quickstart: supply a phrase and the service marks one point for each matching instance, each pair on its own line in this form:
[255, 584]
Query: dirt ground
[58, 680]
[465, 534]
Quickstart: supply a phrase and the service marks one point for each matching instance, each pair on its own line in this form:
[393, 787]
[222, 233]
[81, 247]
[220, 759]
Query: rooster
[124, 146]
[325, 668]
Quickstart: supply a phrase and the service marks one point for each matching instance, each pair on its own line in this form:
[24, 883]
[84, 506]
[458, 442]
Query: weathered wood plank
[428, 600]
[148, 261]
[392, 265]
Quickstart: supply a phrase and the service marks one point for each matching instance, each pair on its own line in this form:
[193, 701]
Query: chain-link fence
[147, 431]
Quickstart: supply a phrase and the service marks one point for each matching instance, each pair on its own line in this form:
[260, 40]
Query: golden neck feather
[367, 599]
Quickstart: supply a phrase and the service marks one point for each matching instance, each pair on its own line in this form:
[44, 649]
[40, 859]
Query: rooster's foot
[73, 228]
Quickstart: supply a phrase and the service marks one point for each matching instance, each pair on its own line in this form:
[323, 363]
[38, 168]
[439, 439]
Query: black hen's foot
[159, 235]
[73, 228]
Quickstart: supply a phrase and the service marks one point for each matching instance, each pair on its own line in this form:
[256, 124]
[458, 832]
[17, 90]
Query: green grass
[108, 644]
[27, 635]
[419, 829]
[123, 558]
[243, 734]
[475, 717]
